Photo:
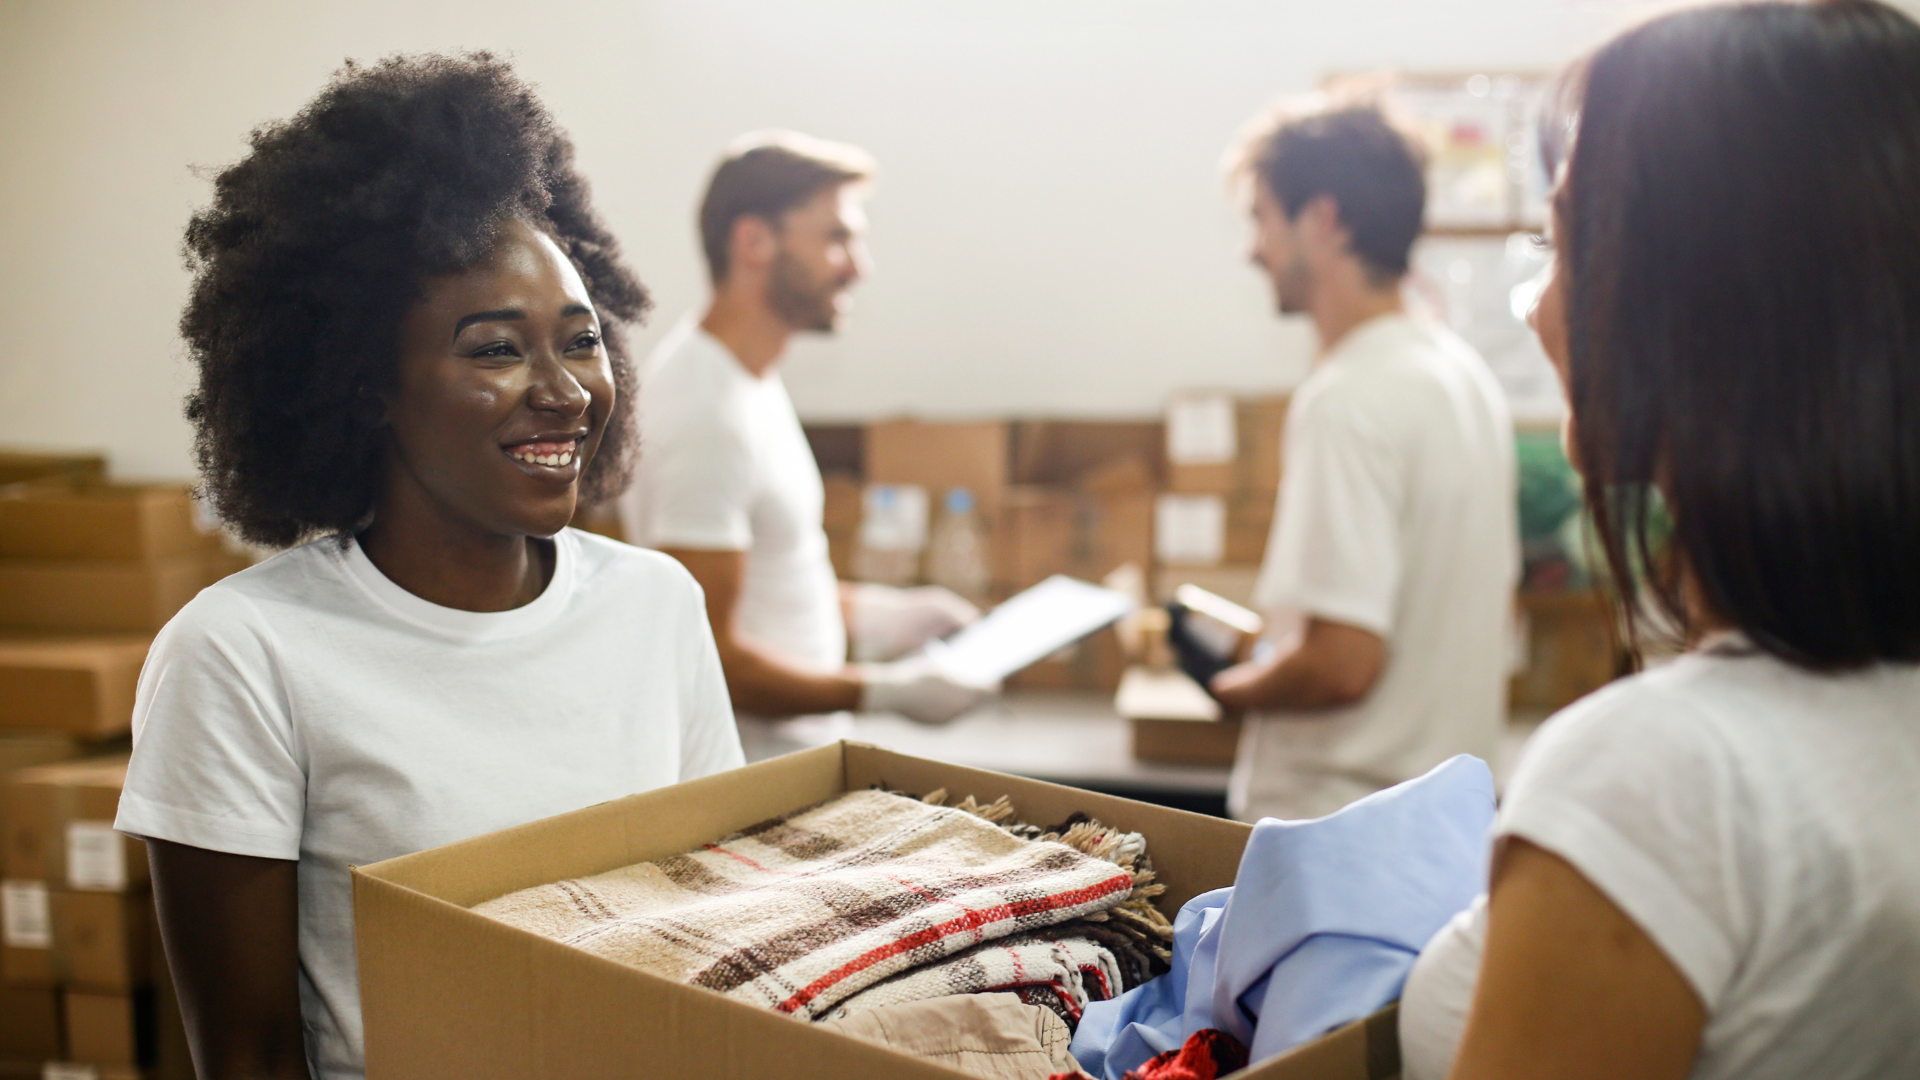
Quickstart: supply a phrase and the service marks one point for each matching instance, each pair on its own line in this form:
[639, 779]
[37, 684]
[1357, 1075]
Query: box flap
[638, 828]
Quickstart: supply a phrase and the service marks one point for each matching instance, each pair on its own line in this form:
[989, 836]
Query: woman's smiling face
[505, 390]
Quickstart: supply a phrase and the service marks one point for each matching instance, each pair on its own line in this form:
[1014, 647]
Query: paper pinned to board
[1029, 627]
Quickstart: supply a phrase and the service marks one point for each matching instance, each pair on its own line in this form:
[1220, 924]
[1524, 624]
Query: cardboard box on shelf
[1249, 525]
[1035, 537]
[1569, 649]
[18, 466]
[1261, 422]
[125, 597]
[29, 1023]
[1094, 664]
[78, 684]
[841, 520]
[939, 456]
[1070, 453]
[1186, 742]
[109, 1029]
[447, 992]
[603, 520]
[85, 940]
[59, 827]
[838, 448]
[23, 750]
[102, 941]
[1173, 720]
[100, 522]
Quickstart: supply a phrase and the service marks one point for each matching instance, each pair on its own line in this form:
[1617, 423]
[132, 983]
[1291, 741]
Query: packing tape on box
[25, 919]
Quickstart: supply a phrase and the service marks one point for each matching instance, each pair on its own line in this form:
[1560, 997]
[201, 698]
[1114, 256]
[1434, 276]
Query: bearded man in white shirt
[728, 485]
[1390, 570]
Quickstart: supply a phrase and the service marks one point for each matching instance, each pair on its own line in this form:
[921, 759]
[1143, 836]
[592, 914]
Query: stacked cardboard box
[89, 570]
[81, 952]
[90, 558]
[1223, 476]
[1081, 498]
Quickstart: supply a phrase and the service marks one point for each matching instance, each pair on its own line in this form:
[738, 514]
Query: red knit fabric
[1206, 1055]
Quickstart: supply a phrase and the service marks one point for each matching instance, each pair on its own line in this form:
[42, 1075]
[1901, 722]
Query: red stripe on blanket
[972, 920]
[742, 858]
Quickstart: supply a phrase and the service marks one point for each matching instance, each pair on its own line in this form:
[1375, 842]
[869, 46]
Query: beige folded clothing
[989, 1035]
[798, 913]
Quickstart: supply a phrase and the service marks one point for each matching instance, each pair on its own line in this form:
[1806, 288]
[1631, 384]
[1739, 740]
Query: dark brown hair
[1374, 169]
[1740, 224]
[765, 175]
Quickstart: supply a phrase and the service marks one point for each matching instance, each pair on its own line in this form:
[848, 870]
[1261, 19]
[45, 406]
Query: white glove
[889, 623]
[918, 690]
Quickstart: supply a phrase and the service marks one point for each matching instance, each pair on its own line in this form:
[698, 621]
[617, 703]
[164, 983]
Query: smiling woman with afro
[407, 322]
[319, 241]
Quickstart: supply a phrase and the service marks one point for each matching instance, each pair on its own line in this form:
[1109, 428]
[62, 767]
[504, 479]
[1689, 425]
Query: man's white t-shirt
[1396, 514]
[308, 708]
[725, 466]
[1761, 823]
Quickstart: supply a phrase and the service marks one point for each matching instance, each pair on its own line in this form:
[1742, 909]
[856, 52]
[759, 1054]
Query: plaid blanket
[798, 913]
[1058, 974]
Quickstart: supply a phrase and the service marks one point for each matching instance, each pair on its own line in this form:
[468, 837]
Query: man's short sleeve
[215, 763]
[1335, 552]
[695, 481]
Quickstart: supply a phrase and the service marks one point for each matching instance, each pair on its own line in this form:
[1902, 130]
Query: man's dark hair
[320, 240]
[1743, 311]
[765, 175]
[1374, 169]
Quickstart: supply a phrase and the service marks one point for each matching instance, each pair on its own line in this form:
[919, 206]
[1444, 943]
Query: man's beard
[801, 302]
[1291, 286]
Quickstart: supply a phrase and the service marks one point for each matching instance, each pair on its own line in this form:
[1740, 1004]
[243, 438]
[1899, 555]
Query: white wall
[1050, 228]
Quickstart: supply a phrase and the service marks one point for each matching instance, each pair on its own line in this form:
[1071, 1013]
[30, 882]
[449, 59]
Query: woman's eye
[498, 348]
[587, 340]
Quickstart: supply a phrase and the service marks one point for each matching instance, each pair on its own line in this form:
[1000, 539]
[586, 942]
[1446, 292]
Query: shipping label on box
[1190, 530]
[96, 856]
[25, 915]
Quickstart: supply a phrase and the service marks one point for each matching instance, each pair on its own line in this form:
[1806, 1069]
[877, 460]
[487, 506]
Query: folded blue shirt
[1321, 926]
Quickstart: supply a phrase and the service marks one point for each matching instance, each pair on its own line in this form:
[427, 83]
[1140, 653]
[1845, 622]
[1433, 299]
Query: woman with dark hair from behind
[407, 322]
[1711, 869]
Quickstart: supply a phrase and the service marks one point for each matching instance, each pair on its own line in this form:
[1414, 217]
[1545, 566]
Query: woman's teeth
[564, 457]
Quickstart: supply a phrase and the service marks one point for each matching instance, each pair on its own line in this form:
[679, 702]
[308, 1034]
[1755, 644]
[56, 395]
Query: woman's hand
[1570, 987]
[231, 924]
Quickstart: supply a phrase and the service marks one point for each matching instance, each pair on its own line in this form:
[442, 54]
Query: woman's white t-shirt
[1761, 823]
[308, 708]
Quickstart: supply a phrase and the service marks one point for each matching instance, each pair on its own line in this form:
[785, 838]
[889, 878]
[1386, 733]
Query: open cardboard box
[446, 992]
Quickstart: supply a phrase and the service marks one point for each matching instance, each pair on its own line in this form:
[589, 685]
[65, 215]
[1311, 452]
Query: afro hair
[320, 240]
